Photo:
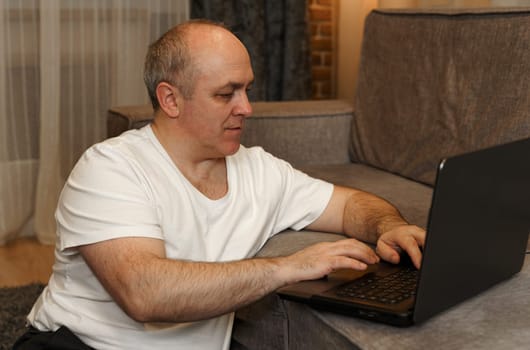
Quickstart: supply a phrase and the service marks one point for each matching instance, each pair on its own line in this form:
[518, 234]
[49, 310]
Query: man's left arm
[371, 219]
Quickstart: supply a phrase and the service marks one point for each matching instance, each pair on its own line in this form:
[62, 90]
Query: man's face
[215, 114]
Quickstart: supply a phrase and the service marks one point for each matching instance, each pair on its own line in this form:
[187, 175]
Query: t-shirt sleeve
[303, 198]
[104, 198]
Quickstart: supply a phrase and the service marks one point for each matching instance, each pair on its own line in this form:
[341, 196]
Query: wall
[350, 31]
[336, 33]
[322, 21]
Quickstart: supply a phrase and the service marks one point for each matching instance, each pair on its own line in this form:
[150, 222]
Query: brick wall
[322, 20]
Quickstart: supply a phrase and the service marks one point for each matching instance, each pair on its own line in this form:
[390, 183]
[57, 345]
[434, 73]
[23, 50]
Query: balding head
[174, 57]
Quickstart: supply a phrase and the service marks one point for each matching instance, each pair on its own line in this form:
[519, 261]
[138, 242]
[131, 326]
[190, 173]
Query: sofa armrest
[301, 132]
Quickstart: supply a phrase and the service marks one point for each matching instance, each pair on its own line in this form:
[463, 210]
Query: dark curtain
[276, 34]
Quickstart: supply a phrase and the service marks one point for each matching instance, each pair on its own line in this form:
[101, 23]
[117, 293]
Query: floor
[25, 260]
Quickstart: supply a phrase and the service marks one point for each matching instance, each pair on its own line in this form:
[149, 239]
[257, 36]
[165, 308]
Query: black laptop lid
[480, 217]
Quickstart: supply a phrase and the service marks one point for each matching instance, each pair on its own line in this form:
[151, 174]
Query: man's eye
[227, 95]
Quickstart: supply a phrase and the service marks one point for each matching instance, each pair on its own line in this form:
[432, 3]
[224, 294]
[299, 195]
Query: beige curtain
[63, 63]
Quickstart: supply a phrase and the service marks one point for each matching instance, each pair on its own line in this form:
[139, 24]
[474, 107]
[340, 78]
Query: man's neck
[208, 175]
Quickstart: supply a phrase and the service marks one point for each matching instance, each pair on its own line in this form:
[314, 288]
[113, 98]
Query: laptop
[477, 233]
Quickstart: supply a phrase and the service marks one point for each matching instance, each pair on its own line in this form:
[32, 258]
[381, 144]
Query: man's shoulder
[127, 145]
[257, 160]
[254, 153]
[128, 139]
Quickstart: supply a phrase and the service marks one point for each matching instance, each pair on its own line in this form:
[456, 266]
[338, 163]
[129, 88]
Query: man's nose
[243, 107]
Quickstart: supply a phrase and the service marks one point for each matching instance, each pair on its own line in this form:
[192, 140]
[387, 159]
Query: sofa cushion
[301, 132]
[440, 83]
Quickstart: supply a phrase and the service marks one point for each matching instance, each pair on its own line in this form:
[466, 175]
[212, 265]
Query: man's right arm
[152, 288]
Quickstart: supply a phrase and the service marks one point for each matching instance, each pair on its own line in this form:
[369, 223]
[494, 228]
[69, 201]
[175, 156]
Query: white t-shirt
[128, 186]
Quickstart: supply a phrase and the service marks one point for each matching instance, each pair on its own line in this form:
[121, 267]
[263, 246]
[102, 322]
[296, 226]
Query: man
[157, 228]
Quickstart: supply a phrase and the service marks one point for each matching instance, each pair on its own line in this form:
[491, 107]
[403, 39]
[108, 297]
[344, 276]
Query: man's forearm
[149, 287]
[367, 216]
[182, 291]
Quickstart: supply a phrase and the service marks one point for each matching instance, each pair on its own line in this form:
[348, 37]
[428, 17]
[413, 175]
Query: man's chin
[229, 149]
[233, 149]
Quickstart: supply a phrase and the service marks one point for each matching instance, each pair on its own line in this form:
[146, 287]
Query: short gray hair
[169, 60]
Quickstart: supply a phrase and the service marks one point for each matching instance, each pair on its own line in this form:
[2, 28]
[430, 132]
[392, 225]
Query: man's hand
[372, 219]
[319, 260]
[408, 238]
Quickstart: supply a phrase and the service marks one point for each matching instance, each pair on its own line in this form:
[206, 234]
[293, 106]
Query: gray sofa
[432, 83]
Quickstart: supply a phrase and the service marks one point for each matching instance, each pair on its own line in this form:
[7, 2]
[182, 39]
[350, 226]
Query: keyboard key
[390, 289]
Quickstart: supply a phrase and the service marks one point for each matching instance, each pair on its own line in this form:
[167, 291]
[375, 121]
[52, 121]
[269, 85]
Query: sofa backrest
[438, 83]
[301, 132]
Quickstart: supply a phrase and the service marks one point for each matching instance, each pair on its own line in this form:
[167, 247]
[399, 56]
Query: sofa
[432, 83]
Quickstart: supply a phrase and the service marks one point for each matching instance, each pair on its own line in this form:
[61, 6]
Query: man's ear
[167, 97]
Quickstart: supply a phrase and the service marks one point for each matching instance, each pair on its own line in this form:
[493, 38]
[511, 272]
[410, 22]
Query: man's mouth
[235, 127]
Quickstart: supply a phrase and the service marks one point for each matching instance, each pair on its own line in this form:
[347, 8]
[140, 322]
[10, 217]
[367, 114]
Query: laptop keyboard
[389, 289]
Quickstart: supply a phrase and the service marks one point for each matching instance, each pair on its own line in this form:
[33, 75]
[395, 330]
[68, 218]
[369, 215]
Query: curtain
[276, 34]
[63, 63]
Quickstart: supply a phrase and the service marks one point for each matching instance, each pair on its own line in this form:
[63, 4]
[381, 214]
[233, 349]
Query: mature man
[157, 227]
